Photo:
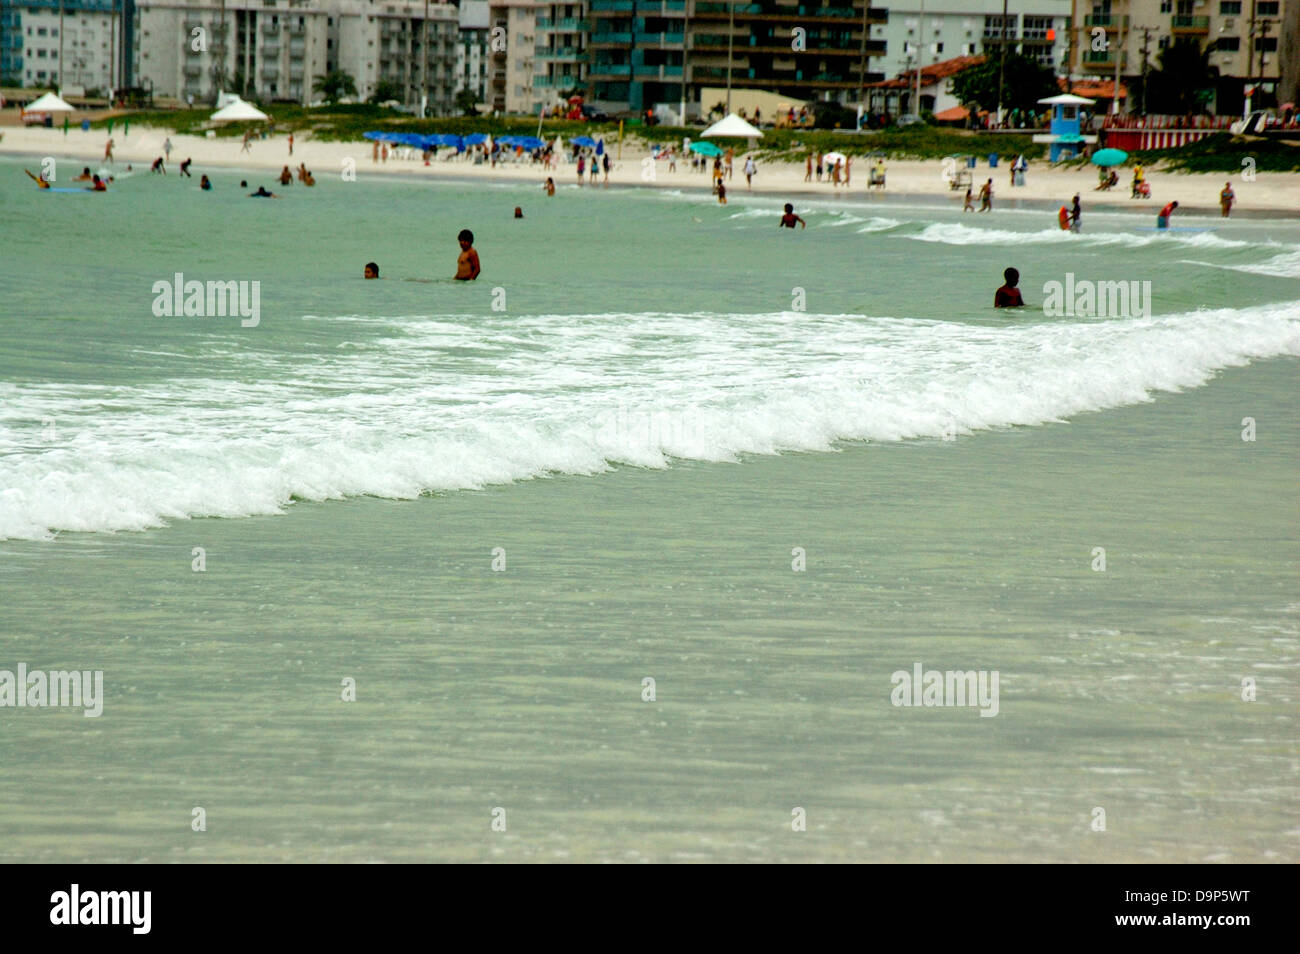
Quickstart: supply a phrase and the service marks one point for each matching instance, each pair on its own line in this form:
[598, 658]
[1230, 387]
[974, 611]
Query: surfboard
[1176, 228]
[66, 189]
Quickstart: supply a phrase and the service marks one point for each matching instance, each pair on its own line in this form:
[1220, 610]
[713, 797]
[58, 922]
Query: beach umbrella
[49, 103]
[475, 139]
[600, 147]
[732, 125]
[586, 142]
[833, 157]
[236, 111]
[529, 142]
[705, 149]
[1109, 157]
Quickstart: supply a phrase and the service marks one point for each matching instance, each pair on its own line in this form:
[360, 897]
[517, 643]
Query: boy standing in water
[1162, 220]
[789, 219]
[1008, 296]
[467, 267]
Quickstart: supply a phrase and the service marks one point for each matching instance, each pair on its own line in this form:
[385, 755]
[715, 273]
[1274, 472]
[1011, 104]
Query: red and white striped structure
[1140, 133]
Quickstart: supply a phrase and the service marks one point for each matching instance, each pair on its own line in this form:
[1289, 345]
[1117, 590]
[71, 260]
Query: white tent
[733, 125]
[236, 111]
[49, 103]
[1067, 99]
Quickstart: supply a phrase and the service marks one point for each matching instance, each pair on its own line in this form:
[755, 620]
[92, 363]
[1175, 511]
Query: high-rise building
[472, 51]
[1244, 38]
[512, 40]
[560, 63]
[637, 52]
[74, 45]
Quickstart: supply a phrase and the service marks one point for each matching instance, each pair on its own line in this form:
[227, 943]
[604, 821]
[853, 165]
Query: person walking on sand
[986, 196]
[1226, 198]
[291, 144]
[848, 163]
[582, 166]
[606, 164]
[374, 152]
[248, 137]
[731, 154]
[819, 167]
[807, 176]
[167, 148]
[750, 169]
[108, 151]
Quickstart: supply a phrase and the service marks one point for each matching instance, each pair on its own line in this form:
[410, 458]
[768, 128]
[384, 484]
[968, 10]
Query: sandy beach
[1270, 194]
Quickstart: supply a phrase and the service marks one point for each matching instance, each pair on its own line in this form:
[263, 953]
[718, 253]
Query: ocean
[621, 548]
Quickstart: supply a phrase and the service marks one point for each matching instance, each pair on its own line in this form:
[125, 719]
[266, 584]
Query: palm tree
[334, 85]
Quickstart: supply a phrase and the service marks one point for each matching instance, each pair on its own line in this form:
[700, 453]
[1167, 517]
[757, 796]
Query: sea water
[619, 548]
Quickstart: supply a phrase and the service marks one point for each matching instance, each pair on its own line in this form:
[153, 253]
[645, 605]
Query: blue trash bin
[970, 162]
[993, 160]
[85, 125]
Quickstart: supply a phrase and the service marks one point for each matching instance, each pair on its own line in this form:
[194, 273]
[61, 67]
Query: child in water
[1008, 296]
[467, 266]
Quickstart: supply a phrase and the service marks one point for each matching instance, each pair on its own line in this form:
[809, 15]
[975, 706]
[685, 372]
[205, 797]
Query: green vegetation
[340, 123]
[1225, 152]
[1024, 82]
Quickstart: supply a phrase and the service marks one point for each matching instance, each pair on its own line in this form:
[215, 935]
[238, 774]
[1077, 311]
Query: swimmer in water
[41, 182]
[467, 266]
[1162, 220]
[519, 212]
[789, 219]
[205, 184]
[372, 270]
[98, 185]
[550, 186]
[261, 193]
[1008, 296]
[85, 175]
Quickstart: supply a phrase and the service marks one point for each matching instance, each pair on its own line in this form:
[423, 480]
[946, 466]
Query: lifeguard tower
[1066, 137]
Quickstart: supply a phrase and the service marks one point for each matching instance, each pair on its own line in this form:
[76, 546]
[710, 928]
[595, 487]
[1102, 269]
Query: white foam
[956, 233]
[522, 396]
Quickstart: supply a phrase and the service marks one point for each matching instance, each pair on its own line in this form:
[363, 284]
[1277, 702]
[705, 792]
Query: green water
[521, 688]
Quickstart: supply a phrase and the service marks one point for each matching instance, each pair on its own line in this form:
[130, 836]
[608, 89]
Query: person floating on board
[1008, 296]
[41, 181]
[789, 219]
[98, 185]
[1162, 220]
[1226, 198]
[467, 265]
[372, 270]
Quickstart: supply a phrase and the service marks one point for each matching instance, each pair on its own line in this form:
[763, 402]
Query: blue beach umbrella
[600, 147]
[1109, 157]
[475, 139]
[586, 142]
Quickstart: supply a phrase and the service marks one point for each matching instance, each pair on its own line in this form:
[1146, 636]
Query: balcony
[270, 50]
[1103, 60]
[270, 71]
[610, 39]
[1107, 21]
[269, 29]
[194, 70]
[1191, 25]
[567, 24]
[559, 53]
[660, 39]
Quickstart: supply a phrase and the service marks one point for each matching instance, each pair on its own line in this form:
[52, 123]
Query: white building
[473, 55]
[511, 69]
[85, 49]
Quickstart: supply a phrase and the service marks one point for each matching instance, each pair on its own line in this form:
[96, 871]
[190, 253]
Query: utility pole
[1002, 64]
[1119, 58]
[731, 30]
[424, 60]
[1146, 62]
[920, 38]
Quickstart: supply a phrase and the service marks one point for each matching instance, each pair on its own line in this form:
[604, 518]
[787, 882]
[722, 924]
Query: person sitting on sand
[467, 265]
[372, 270]
[789, 219]
[549, 186]
[1008, 296]
[1226, 198]
[41, 181]
[205, 184]
[286, 177]
[97, 184]
[261, 193]
[1162, 220]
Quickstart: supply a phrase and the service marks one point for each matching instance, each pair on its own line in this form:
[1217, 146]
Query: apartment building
[512, 44]
[946, 29]
[473, 54]
[561, 54]
[73, 45]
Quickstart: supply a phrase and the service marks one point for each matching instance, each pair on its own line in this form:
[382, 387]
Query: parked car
[594, 114]
[909, 121]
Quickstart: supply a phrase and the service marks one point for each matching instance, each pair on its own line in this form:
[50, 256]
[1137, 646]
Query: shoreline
[1268, 196]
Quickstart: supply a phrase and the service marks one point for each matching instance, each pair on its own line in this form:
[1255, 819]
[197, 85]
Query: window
[1228, 44]
[1267, 8]
[1265, 44]
[1229, 8]
[1166, 6]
